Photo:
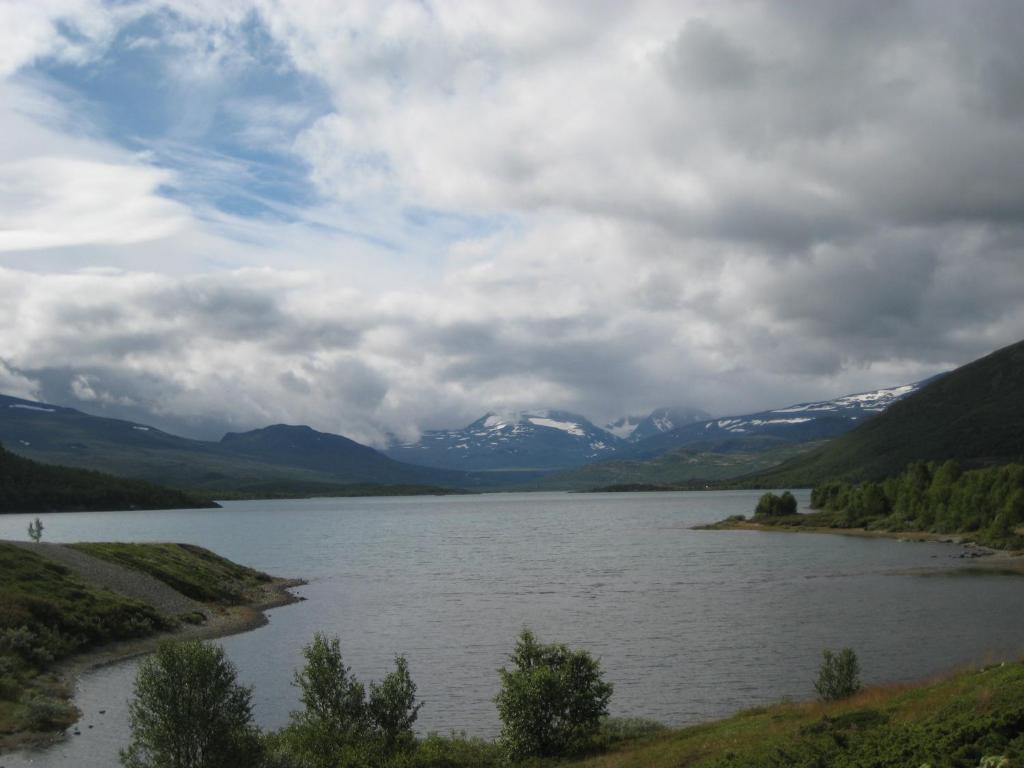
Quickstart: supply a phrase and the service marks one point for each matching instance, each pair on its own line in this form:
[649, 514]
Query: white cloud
[602, 206]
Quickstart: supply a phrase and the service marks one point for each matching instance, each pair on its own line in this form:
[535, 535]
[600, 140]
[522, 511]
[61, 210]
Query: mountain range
[523, 440]
[277, 458]
[636, 428]
[542, 448]
[764, 430]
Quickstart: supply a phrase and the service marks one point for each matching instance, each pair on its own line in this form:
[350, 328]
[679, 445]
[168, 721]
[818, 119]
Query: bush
[392, 709]
[455, 751]
[771, 505]
[190, 712]
[552, 701]
[44, 713]
[338, 725]
[838, 676]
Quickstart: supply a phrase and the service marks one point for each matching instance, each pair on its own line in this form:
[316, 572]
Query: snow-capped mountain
[794, 423]
[517, 440]
[666, 420]
[623, 427]
[634, 428]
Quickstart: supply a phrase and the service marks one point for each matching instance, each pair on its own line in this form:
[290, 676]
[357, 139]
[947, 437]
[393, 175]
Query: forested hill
[974, 415]
[28, 486]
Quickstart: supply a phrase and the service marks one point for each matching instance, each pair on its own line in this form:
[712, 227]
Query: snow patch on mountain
[565, 426]
[32, 407]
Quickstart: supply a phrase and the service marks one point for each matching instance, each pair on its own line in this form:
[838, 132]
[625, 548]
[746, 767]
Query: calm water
[689, 625]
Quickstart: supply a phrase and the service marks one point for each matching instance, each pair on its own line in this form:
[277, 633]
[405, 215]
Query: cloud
[382, 216]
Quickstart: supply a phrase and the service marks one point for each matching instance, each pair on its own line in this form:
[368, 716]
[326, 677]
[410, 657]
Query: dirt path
[116, 578]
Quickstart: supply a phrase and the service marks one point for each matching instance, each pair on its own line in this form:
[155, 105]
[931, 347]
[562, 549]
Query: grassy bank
[950, 723]
[51, 616]
[193, 571]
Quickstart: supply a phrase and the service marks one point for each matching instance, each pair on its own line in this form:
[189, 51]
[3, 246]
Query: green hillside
[681, 467]
[28, 486]
[279, 460]
[974, 415]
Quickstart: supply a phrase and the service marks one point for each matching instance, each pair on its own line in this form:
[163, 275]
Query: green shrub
[190, 712]
[43, 713]
[392, 709]
[770, 505]
[838, 676]
[552, 701]
[454, 751]
[338, 725]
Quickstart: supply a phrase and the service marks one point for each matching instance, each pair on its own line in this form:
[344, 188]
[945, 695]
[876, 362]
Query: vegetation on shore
[193, 571]
[189, 711]
[49, 614]
[956, 722]
[986, 505]
[28, 486]
[553, 707]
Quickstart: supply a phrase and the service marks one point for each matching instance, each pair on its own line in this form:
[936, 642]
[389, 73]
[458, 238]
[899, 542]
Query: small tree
[770, 505]
[393, 710]
[338, 726]
[190, 712]
[552, 701]
[838, 676]
[35, 530]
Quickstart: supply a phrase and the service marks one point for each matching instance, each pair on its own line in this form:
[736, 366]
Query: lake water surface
[689, 625]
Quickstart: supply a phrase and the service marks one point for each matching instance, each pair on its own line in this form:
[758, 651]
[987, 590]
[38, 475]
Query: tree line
[29, 486]
[942, 498]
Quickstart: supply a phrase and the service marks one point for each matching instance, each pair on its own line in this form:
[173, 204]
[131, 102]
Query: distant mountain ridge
[542, 439]
[636, 428]
[297, 458]
[797, 423]
[973, 415]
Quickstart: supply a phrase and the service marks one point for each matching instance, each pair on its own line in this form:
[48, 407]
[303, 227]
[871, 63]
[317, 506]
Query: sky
[382, 217]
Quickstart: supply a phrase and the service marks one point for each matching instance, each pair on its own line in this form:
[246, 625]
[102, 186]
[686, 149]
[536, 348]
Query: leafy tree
[770, 505]
[332, 728]
[35, 530]
[392, 709]
[552, 701]
[838, 676]
[338, 725]
[190, 712]
[930, 497]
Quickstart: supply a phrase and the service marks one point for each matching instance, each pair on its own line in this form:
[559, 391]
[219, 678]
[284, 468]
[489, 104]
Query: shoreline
[221, 621]
[983, 558]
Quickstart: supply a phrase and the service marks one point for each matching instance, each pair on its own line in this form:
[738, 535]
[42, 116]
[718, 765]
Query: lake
[689, 625]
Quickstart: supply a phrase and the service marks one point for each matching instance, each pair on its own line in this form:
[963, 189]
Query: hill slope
[28, 486]
[339, 457]
[974, 415]
[295, 460]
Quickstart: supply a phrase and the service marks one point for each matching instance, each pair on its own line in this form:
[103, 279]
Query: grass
[949, 723]
[47, 614]
[195, 572]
